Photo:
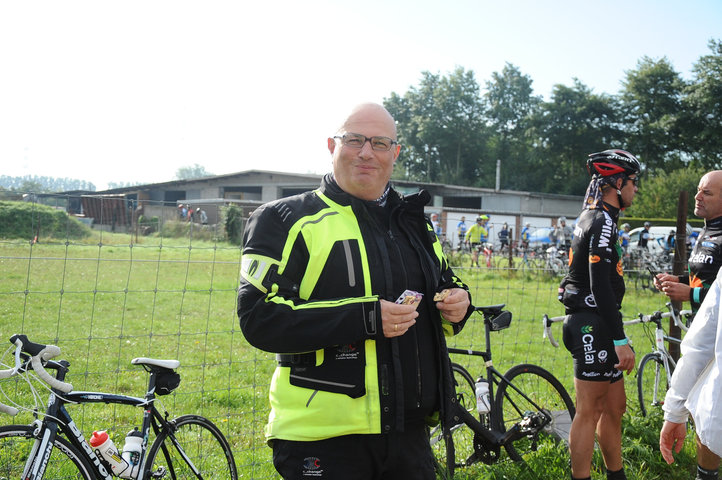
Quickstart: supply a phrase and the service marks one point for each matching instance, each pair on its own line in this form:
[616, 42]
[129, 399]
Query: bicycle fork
[40, 453]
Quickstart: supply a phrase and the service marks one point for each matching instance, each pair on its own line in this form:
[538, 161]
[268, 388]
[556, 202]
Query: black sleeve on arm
[272, 315]
[604, 297]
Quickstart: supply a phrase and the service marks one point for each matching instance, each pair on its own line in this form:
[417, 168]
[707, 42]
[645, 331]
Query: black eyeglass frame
[371, 140]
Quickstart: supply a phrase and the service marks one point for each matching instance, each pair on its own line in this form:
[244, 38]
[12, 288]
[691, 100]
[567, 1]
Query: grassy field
[110, 298]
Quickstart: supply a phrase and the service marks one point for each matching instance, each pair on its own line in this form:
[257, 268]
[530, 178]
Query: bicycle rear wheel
[16, 443]
[193, 443]
[652, 382]
[462, 435]
[519, 413]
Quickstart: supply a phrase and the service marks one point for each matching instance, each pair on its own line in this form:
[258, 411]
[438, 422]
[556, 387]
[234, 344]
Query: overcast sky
[131, 91]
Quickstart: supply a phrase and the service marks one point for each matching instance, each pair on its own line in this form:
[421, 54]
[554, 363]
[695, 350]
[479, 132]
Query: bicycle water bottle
[483, 404]
[131, 452]
[103, 445]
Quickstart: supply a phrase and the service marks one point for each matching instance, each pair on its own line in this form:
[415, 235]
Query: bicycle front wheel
[16, 443]
[652, 382]
[541, 398]
[193, 448]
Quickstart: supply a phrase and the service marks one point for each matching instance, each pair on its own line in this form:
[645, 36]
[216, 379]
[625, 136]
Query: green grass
[106, 299]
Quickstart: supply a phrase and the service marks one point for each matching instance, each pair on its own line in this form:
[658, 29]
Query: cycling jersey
[705, 262]
[476, 234]
[595, 280]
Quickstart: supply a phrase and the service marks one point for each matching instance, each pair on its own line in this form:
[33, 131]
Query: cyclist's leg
[590, 404]
[705, 457]
[609, 426]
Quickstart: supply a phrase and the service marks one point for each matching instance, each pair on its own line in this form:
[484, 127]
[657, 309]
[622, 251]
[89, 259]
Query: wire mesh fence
[151, 282]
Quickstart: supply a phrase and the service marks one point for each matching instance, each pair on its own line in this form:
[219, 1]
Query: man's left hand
[454, 306]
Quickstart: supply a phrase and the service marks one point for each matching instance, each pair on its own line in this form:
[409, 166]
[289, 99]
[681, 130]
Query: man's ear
[620, 182]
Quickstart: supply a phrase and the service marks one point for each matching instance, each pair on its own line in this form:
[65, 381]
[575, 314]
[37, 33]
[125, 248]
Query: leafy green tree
[702, 112]
[658, 195]
[234, 223]
[651, 97]
[112, 185]
[574, 123]
[441, 128]
[196, 171]
[510, 103]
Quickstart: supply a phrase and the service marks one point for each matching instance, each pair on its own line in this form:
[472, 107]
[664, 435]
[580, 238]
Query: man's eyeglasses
[356, 140]
[635, 181]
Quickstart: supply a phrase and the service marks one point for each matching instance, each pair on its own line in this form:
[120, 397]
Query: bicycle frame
[58, 420]
[493, 436]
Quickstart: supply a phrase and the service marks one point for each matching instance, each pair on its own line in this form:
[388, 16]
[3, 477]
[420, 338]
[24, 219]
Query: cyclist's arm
[600, 283]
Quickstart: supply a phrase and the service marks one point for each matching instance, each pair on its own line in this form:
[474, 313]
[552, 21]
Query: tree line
[43, 184]
[453, 132]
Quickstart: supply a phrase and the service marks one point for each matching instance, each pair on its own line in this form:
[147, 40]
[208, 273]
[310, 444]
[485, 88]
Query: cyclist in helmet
[645, 236]
[476, 235]
[592, 295]
[525, 235]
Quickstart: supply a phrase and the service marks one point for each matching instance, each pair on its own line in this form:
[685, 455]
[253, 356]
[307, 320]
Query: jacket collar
[330, 188]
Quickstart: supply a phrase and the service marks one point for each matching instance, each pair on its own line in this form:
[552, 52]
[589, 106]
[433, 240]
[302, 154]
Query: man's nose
[366, 150]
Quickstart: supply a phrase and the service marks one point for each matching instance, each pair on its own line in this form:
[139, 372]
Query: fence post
[678, 265]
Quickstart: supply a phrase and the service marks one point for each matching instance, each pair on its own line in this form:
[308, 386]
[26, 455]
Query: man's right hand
[671, 286]
[397, 318]
[671, 437]
[660, 278]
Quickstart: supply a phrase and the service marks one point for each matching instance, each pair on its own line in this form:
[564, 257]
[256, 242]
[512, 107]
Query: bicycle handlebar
[674, 314]
[39, 354]
[547, 323]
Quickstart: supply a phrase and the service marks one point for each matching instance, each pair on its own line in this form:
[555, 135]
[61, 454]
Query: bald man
[700, 364]
[341, 284]
[706, 258]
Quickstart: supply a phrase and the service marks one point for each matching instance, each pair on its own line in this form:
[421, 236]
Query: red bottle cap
[98, 438]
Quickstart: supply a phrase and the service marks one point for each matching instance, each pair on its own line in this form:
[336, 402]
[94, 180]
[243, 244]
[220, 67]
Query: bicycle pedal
[160, 473]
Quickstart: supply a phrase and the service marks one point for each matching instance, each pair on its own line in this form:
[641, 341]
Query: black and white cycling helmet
[612, 162]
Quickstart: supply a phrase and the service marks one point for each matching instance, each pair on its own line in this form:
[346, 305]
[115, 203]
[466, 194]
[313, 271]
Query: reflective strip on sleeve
[254, 269]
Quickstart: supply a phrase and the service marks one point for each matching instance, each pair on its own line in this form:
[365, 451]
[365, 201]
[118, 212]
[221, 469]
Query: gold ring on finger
[396, 327]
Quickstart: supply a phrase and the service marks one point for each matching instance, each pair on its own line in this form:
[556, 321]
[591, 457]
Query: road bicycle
[530, 406]
[53, 447]
[556, 263]
[654, 373]
[529, 264]
[652, 385]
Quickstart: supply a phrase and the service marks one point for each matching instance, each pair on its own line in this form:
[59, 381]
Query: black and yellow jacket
[314, 267]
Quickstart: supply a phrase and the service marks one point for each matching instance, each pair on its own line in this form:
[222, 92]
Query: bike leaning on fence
[53, 447]
[654, 373]
[655, 369]
[530, 405]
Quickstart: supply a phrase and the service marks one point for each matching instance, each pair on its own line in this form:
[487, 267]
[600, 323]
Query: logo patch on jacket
[347, 352]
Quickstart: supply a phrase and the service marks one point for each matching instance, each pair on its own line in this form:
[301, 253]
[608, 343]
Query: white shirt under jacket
[697, 381]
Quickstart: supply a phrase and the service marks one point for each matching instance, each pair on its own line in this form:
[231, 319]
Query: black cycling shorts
[592, 348]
